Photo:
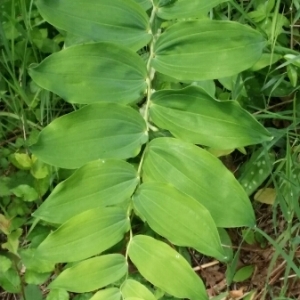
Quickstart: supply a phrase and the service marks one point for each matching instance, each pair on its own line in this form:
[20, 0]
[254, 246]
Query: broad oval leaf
[206, 49]
[107, 294]
[193, 116]
[145, 4]
[96, 184]
[132, 288]
[92, 274]
[90, 73]
[165, 268]
[85, 235]
[102, 130]
[186, 8]
[118, 21]
[200, 175]
[179, 218]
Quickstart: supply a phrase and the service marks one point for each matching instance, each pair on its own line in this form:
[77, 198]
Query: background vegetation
[262, 261]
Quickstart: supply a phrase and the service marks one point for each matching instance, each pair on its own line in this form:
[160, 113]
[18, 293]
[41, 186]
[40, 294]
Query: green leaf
[5, 263]
[92, 274]
[21, 160]
[165, 268]
[200, 175]
[32, 262]
[96, 131]
[84, 296]
[96, 184]
[84, 235]
[187, 9]
[12, 244]
[10, 281]
[39, 170]
[132, 288]
[92, 73]
[26, 192]
[118, 21]
[243, 274]
[192, 115]
[178, 217]
[32, 277]
[207, 49]
[145, 4]
[265, 60]
[256, 170]
[107, 294]
[58, 294]
[33, 292]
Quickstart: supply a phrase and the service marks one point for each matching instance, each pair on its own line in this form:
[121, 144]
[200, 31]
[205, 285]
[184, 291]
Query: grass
[271, 94]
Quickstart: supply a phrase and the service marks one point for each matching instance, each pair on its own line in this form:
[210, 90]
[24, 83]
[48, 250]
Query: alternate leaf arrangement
[135, 144]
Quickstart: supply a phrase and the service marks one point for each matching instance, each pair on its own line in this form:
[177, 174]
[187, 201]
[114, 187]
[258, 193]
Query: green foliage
[102, 130]
[157, 88]
[103, 69]
[176, 203]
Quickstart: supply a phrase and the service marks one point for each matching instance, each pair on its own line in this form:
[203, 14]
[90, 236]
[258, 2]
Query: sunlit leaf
[178, 217]
[84, 235]
[90, 73]
[165, 268]
[193, 116]
[58, 294]
[266, 195]
[96, 131]
[96, 184]
[206, 49]
[91, 274]
[122, 22]
[107, 294]
[200, 175]
[132, 288]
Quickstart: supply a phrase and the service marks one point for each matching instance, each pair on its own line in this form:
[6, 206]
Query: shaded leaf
[265, 60]
[165, 268]
[92, 73]
[91, 274]
[33, 277]
[96, 131]
[96, 184]
[243, 274]
[10, 281]
[255, 171]
[178, 217]
[84, 235]
[33, 292]
[186, 8]
[193, 116]
[206, 49]
[122, 22]
[200, 175]
[145, 4]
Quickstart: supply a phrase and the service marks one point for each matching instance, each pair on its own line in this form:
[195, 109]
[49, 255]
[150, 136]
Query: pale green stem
[150, 76]
[150, 70]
